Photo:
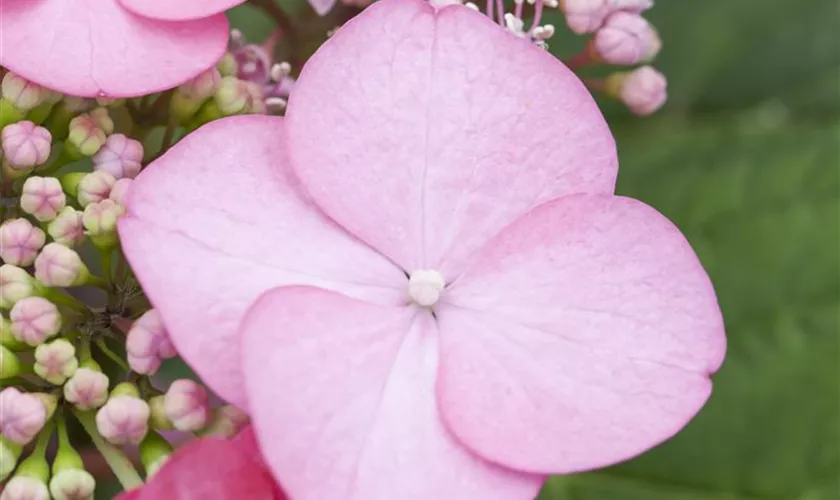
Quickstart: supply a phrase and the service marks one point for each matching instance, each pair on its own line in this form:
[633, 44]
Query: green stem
[63, 299]
[116, 459]
[112, 355]
[107, 265]
[98, 282]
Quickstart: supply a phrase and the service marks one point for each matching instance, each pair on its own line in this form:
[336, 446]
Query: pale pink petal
[443, 128]
[179, 10]
[97, 48]
[322, 6]
[342, 400]
[217, 221]
[584, 334]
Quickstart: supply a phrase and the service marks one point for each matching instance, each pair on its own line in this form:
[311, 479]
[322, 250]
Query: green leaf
[760, 204]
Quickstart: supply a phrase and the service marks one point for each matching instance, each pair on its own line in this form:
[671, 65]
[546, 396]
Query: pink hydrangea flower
[454, 300]
[222, 469]
[112, 48]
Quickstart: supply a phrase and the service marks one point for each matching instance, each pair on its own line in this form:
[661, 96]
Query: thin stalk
[114, 457]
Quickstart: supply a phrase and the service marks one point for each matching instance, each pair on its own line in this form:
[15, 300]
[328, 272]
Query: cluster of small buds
[620, 36]
[254, 63]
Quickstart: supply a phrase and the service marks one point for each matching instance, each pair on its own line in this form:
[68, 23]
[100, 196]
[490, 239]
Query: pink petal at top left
[96, 48]
[179, 10]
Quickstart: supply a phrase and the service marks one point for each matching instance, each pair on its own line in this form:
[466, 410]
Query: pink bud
[120, 156]
[15, 284]
[67, 228]
[186, 405]
[25, 488]
[56, 361]
[256, 99]
[147, 343]
[58, 265]
[102, 120]
[123, 420]
[87, 389]
[585, 16]
[119, 191]
[34, 320]
[227, 422]
[20, 242]
[100, 221]
[26, 145]
[86, 135]
[42, 197]
[202, 86]
[626, 39]
[644, 90]
[94, 187]
[22, 415]
[24, 94]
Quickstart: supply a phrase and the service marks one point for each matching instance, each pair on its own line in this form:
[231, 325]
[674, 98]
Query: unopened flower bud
[202, 86]
[123, 420]
[100, 221]
[86, 136]
[232, 97]
[585, 16]
[9, 455]
[67, 228]
[186, 405]
[69, 480]
[25, 488]
[121, 157]
[256, 99]
[8, 341]
[626, 39]
[147, 343]
[20, 242]
[26, 145]
[24, 94]
[119, 191]
[42, 198]
[72, 484]
[60, 266]
[15, 284]
[87, 389]
[157, 414]
[56, 361]
[9, 363]
[227, 65]
[643, 90]
[154, 452]
[22, 415]
[227, 421]
[89, 188]
[34, 320]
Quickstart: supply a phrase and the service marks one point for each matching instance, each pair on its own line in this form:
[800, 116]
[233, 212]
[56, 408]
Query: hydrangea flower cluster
[427, 236]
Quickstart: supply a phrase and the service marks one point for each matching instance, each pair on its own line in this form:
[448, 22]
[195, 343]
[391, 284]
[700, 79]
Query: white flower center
[425, 287]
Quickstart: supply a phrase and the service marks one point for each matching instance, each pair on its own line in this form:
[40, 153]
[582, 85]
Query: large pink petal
[443, 128]
[97, 48]
[211, 468]
[217, 221]
[179, 10]
[583, 335]
[343, 403]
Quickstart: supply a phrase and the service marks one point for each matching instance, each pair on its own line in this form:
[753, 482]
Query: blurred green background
[745, 158]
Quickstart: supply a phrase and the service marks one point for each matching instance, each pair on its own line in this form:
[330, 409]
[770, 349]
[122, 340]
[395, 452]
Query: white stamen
[280, 71]
[425, 287]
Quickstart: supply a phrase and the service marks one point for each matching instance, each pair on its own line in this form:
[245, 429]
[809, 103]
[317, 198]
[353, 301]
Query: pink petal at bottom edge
[582, 335]
[342, 400]
[211, 468]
